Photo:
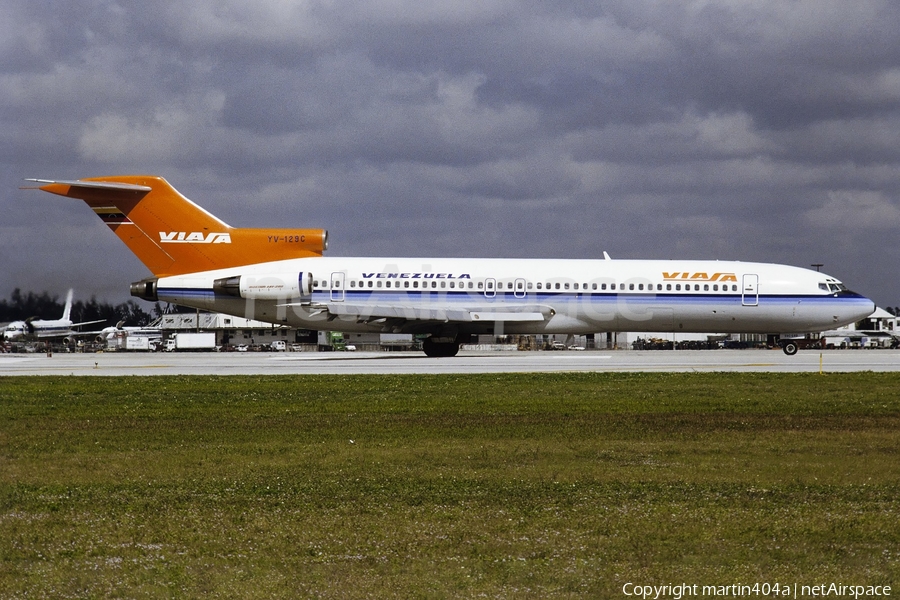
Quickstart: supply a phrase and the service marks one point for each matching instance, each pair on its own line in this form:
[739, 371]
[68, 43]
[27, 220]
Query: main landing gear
[440, 347]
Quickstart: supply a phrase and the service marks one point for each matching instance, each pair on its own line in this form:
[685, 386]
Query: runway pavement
[309, 363]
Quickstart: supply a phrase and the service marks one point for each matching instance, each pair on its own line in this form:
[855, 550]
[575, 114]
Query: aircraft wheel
[790, 348]
[439, 349]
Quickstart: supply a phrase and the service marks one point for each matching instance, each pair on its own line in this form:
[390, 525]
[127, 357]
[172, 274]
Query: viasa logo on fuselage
[687, 275]
[195, 237]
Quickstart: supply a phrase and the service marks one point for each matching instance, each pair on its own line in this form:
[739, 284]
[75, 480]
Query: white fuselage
[38, 329]
[526, 296]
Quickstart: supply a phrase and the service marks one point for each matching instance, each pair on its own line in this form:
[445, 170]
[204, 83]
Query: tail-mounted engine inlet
[275, 286]
[145, 289]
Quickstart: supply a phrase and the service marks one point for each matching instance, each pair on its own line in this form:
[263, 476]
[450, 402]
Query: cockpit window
[823, 286]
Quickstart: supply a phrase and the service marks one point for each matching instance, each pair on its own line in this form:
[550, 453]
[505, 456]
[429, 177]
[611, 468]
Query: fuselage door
[750, 290]
[520, 288]
[337, 287]
[490, 287]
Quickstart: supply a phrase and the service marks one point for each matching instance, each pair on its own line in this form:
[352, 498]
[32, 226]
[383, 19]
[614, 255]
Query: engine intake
[145, 289]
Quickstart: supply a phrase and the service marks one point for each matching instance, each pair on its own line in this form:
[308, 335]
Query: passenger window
[706, 287]
[370, 284]
[415, 284]
[668, 287]
[378, 284]
[640, 286]
[557, 286]
[734, 288]
[715, 287]
[509, 285]
[480, 285]
[630, 286]
[677, 287]
[443, 284]
[406, 284]
[696, 287]
[452, 284]
[602, 286]
[434, 284]
[576, 286]
[621, 286]
[593, 286]
[659, 287]
[538, 286]
[566, 286]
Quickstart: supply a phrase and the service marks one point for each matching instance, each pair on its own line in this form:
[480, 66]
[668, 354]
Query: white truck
[191, 341]
[137, 343]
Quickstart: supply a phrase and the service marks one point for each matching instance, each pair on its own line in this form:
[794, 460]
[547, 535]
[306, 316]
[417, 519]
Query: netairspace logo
[757, 590]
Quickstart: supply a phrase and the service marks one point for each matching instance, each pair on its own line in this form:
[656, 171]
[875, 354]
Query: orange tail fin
[172, 236]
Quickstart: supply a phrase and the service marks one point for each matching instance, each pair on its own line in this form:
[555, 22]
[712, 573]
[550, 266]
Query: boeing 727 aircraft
[281, 276]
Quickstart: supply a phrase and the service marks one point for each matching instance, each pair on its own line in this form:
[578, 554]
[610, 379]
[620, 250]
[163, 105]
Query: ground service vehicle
[191, 341]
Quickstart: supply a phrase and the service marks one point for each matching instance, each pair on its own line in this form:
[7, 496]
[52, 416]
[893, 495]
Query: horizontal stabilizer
[90, 185]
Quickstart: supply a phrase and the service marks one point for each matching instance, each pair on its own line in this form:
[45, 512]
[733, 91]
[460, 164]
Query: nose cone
[854, 307]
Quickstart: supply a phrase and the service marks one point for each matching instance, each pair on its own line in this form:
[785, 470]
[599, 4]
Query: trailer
[137, 343]
[198, 342]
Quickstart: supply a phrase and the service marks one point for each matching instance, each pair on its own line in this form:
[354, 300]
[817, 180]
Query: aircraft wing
[44, 335]
[444, 314]
[88, 322]
[436, 313]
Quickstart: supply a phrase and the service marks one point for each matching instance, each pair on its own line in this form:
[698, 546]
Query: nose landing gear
[790, 348]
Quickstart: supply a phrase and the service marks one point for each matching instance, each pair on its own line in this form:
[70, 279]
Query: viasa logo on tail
[682, 275]
[195, 237]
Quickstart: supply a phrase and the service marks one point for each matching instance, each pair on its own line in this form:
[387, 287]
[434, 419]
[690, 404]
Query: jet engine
[145, 289]
[274, 286]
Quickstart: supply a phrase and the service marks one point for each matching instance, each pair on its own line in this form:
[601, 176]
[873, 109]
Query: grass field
[496, 486]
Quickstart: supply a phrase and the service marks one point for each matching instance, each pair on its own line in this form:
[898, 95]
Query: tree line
[22, 305]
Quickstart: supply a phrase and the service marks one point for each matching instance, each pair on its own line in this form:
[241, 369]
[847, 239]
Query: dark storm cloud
[761, 130]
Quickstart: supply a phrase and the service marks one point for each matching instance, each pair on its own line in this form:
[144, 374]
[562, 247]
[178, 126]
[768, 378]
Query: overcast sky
[760, 130]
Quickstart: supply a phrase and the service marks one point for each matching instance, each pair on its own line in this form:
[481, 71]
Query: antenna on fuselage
[606, 256]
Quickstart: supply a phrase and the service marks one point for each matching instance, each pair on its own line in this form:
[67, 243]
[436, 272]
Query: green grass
[498, 486]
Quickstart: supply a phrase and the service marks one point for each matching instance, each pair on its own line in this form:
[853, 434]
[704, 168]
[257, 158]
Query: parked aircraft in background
[120, 329]
[43, 329]
[281, 276]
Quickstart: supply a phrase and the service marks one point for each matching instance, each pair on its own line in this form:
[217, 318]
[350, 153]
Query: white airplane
[119, 329]
[39, 329]
[281, 276]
